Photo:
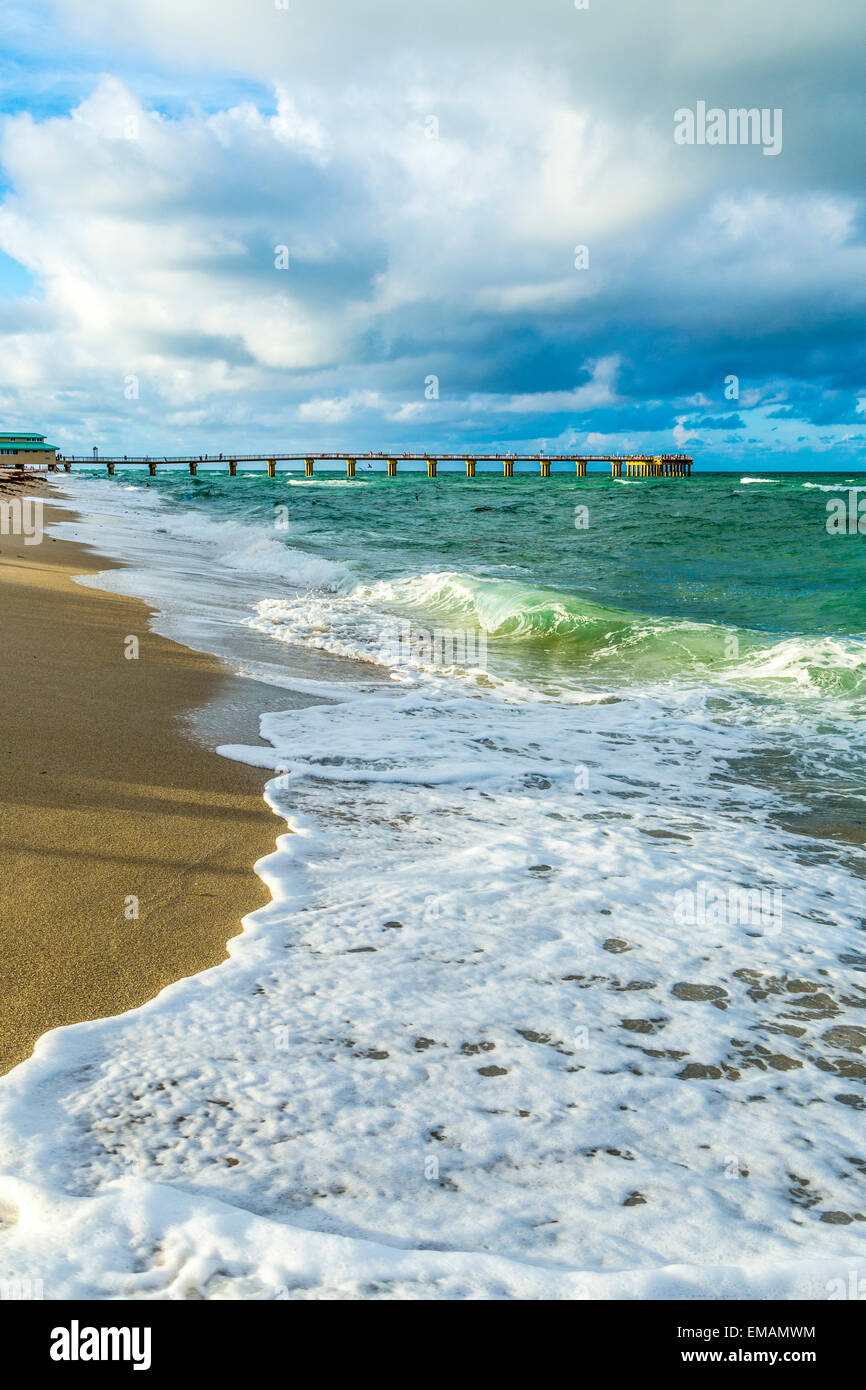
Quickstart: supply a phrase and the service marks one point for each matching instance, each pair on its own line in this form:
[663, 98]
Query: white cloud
[154, 242]
[682, 434]
[336, 410]
[599, 390]
[152, 237]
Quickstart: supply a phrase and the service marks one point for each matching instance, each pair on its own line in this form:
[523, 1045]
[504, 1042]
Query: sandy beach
[106, 799]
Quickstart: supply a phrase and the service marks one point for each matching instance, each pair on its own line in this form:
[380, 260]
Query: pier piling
[508, 468]
[431, 468]
[470, 468]
[392, 468]
[233, 468]
[193, 468]
[350, 468]
[308, 468]
[272, 468]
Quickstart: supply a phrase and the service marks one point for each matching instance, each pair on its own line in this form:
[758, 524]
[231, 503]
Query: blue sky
[433, 173]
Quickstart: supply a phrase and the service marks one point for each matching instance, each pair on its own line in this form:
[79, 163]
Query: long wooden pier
[621, 465]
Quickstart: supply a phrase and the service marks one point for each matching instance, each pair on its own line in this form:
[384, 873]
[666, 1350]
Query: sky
[469, 225]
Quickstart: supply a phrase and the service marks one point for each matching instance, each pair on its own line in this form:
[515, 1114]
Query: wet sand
[106, 800]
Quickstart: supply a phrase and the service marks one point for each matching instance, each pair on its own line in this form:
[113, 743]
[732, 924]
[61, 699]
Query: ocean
[561, 990]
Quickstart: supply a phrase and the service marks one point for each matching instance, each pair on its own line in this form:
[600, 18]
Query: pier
[621, 465]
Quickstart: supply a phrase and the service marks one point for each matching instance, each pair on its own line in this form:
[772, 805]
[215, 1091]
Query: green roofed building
[19, 450]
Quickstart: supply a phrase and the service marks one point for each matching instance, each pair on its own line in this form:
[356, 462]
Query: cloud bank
[487, 195]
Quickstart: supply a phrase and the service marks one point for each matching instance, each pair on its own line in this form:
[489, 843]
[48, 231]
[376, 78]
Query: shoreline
[128, 847]
[415, 979]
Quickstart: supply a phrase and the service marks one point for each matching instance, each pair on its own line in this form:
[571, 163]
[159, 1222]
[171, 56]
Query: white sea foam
[834, 487]
[819, 665]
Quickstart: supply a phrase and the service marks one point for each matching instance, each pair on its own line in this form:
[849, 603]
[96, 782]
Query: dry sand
[104, 796]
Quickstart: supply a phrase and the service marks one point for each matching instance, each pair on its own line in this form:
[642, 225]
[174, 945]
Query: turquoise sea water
[731, 583]
[653, 581]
